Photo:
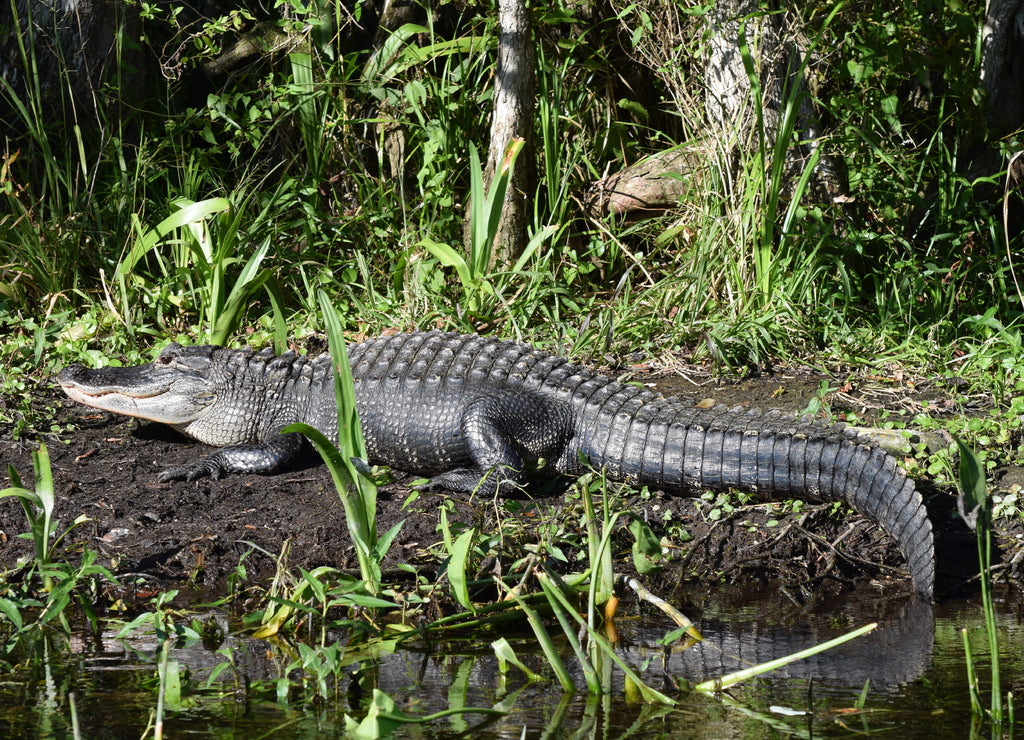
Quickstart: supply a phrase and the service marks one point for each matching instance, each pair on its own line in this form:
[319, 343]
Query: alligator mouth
[106, 400]
[160, 405]
[127, 386]
[80, 394]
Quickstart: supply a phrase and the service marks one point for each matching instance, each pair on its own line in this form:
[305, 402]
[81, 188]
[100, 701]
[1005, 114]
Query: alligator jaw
[128, 391]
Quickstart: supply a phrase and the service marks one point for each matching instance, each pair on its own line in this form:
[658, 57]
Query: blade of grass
[547, 646]
[975, 507]
[648, 694]
[559, 609]
[731, 679]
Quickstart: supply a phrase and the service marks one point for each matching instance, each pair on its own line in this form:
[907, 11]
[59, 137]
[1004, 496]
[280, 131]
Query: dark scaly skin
[478, 413]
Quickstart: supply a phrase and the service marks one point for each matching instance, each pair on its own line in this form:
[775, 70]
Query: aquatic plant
[383, 717]
[347, 460]
[59, 580]
[38, 508]
[975, 508]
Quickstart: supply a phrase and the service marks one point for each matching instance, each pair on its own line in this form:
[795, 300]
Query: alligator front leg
[266, 459]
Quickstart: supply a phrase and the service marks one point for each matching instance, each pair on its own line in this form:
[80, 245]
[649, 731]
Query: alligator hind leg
[504, 433]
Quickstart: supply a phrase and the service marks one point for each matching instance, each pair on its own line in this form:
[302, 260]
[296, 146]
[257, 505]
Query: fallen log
[655, 183]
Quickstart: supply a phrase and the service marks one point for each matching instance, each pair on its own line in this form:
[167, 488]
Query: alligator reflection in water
[896, 653]
[430, 678]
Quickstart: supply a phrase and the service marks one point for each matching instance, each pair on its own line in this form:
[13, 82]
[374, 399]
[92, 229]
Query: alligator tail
[865, 478]
[682, 450]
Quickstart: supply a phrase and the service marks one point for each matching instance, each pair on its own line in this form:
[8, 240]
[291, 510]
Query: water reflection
[913, 661]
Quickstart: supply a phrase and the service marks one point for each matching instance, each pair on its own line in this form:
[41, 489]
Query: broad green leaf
[273, 625]
[189, 212]
[973, 497]
[450, 258]
[457, 568]
[647, 555]
[503, 650]
[12, 611]
[384, 541]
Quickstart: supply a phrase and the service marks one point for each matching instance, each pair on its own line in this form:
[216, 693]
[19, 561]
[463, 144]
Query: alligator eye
[164, 360]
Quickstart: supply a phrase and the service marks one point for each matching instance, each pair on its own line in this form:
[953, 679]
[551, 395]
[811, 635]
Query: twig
[674, 614]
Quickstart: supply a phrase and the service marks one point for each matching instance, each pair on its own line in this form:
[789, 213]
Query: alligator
[480, 413]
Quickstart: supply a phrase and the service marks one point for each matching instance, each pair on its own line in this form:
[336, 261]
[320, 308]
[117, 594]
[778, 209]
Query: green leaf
[11, 610]
[504, 652]
[555, 595]
[551, 653]
[647, 553]
[973, 499]
[189, 213]
[385, 540]
[318, 587]
[632, 106]
[367, 602]
[170, 675]
[346, 460]
[457, 568]
[383, 717]
[251, 278]
[450, 258]
[534, 244]
[44, 479]
[379, 68]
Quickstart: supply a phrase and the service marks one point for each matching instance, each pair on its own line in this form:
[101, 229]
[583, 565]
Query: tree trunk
[69, 49]
[1002, 64]
[512, 118]
[735, 120]
[778, 50]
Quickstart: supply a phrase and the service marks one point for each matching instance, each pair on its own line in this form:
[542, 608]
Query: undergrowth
[346, 164]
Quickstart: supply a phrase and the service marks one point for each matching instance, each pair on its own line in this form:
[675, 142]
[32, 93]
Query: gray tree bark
[512, 118]
[778, 51]
[731, 108]
[54, 57]
[1002, 63]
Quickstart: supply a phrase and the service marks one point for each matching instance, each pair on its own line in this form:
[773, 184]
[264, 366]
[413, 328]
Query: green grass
[975, 508]
[746, 269]
[50, 586]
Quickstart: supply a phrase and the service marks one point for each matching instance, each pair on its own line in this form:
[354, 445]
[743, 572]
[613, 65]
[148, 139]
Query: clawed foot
[486, 483]
[202, 468]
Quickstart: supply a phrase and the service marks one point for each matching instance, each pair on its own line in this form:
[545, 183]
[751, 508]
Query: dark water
[913, 665]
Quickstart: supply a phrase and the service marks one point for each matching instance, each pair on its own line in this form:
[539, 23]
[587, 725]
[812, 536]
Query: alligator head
[179, 388]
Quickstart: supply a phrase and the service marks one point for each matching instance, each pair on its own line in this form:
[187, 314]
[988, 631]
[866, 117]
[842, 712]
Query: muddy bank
[158, 535]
